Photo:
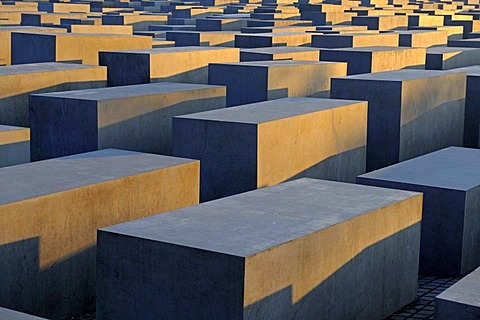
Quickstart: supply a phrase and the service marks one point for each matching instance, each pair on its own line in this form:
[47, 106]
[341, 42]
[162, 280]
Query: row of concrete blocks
[264, 254]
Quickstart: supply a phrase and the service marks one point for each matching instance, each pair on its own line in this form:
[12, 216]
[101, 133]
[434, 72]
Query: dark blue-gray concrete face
[404, 123]
[33, 48]
[192, 263]
[358, 61]
[125, 68]
[461, 301]
[450, 182]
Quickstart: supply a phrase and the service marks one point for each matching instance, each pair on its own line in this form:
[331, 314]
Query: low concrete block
[280, 53]
[14, 145]
[137, 118]
[376, 59]
[262, 144]
[20, 80]
[461, 301]
[249, 82]
[50, 212]
[283, 252]
[198, 38]
[354, 40]
[444, 58]
[381, 22]
[450, 182]
[185, 64]
[261, 40]
[422, 38]
[410, 112]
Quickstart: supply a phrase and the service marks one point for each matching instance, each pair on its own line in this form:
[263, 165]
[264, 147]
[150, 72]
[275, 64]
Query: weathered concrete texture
[49, 224]
[461, 301]
[445, 58]
[260, 40]
[198, 38]
[78, 47]
[185, 64]
[20, 80]
[422, 38]
[450, 182]
[137, 118]
[14, 145]
[280, 53]
[262, 144]
[354, 40]
[285, 252]
[5, 38]
[8, 314]
[410, 112]
[376, 59]
[249, 82]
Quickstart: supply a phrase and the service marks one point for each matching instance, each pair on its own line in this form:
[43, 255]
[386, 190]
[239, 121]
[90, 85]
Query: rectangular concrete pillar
[422, 38]
[354, 40]
[410, 112]
[14, 145]
[198, 38]
[21, 80]
[255, 81]
[280, 53]
[185, 64]
[262, 144]
[260, 40]
[450, 182]
[137, 118]
[445, 58]
[77, 47]
[50, 212]
[297, 250]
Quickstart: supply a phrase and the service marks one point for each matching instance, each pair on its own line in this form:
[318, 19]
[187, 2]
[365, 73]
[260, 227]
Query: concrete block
[256, 81]
[280, 53]
[40, 19]
[139, 22]
[14, 145]
[461, 301]
[289, 251]
[197, 38]
[278, 29]
[185, 64]
[354, 40]
[445, 58]
[213, 24]
[410, 112]
[262, 144]
[260, 40]
[381, 22]
[78, 47]
[137, 118]
[469, 43]
[376, 59]
[6, 33]
[422, 38]
[450, 182]
[8, 314]
[20, 80]
[453, 32]
[50, 212]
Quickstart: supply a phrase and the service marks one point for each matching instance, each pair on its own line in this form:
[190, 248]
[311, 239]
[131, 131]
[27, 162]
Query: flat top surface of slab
[276, 34]
[10, 128]
[399, 75]
[274, 63]
[42, 67]
[451, 168]
[127, 91]
[371, 49]
[79, 35]
[276, 50]
[465, 291]
[272, 110]
[449, 49]
[251, 222]
[170, 50]
[8, 314]
[50, 176]
[471, 70]
[21, 28]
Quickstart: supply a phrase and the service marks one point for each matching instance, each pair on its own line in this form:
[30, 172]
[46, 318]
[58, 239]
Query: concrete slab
[354, 40]
[255, 81]
[262, 144]
[422, 38]
[50, 212]
[21, 80]
[461, 301]
[280, 53]
[197, 38]
[261, 40]
[14, 145]
[450, 182]
[410, 112]
[215, 260]
[445, 58]
[137, 118]
[185, 64]
[15, 315]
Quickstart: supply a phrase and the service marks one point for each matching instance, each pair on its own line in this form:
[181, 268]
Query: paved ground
[422, 308]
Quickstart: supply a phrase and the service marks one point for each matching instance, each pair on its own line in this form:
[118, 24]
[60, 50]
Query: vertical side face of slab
[471, 136]
[14, 146]
[227, 154]
[433, 111]
[320, 145]
[383, 133]
[245, 84]
[145, 123]
[358, 62]
[126, 68]
[62, 127]
[313, 276]
[471, 233]
[389, 60]
[48, 242]
[215, 276]
[33, 48]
